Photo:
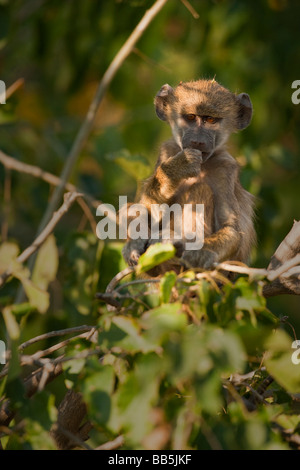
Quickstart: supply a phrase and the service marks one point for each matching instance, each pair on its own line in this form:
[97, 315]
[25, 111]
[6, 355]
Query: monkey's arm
[171, 171]
[225, 241]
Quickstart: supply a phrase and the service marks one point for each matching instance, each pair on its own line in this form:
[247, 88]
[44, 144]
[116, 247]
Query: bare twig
[14, 87]
[152, 63]
[88, 214]
[52, 334]
[87, 124]
[287, 252]
[117, 278]
[109, 298]
[237, 268]
[255, 394]
[69, 439]
[191, 9]
[118, 442]
[55, 347]
[286, 266]
[13, 164]
[6, 203]
[68, 201]
[137, 281]
[271, 275]
[32, 382]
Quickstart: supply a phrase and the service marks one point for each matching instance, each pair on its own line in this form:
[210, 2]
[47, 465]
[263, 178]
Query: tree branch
[11, 163]
[87, 124]
[68, 201]
[284, 262]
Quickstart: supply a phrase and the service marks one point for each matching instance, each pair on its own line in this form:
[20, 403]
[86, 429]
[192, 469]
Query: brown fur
[195, 167]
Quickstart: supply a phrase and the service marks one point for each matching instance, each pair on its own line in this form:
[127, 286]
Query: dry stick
[117, 278]
[31, 384]
[191, 9]
[118, 442]
[10, 91]
[68, 201]
[242, 269]
[274, 274]
[269, 274]
[287, 283]
[52, 334]
[87, 124]
[90, 117]
[13, 164]
[55, 347]
[14, 87]
[7, 203]
[41, 362]
[71, 436]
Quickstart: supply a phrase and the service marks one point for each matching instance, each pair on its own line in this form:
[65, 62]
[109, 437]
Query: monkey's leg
[222, 237]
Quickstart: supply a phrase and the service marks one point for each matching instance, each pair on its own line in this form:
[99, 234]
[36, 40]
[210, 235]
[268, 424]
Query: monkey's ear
[161, 100]
[245, 111]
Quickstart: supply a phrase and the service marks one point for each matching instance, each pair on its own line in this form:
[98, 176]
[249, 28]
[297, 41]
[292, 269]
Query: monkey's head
[202, 114]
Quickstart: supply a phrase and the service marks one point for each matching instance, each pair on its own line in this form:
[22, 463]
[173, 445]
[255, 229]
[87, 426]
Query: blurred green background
[62, 49]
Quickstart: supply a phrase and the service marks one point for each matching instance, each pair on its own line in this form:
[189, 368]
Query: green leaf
[36, 437]
[46, 264]
[279, 364]
[166, 284]
[97, 388]
[81, 268]
[37, 297]
[135, 165]
[22, 309]
[154, 255]
[138, 395]
[166, 317]
[41, 408]
[11, 323]
[8, 253]
[125, 334]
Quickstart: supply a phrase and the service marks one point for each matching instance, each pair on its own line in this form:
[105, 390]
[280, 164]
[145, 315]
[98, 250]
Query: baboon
[195, 167]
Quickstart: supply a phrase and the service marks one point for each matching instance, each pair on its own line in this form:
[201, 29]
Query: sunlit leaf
[135, 165]
[46, 264]
[154, 255]
[166, 284]
[37, 297]
[279, 361]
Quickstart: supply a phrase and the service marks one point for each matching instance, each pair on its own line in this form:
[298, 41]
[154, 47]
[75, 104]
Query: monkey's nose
[198, 145]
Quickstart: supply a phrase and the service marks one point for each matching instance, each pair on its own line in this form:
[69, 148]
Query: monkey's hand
[133, 249]
[184, 164]
[206, 259]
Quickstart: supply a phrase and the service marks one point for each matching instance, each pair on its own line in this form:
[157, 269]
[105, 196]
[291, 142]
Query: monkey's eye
[190, 117]
[209, 119]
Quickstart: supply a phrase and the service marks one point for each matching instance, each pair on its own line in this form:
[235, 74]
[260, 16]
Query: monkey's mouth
[205, 154]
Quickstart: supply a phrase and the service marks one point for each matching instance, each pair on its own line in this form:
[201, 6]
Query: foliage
[182, 365]
[185, 362]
